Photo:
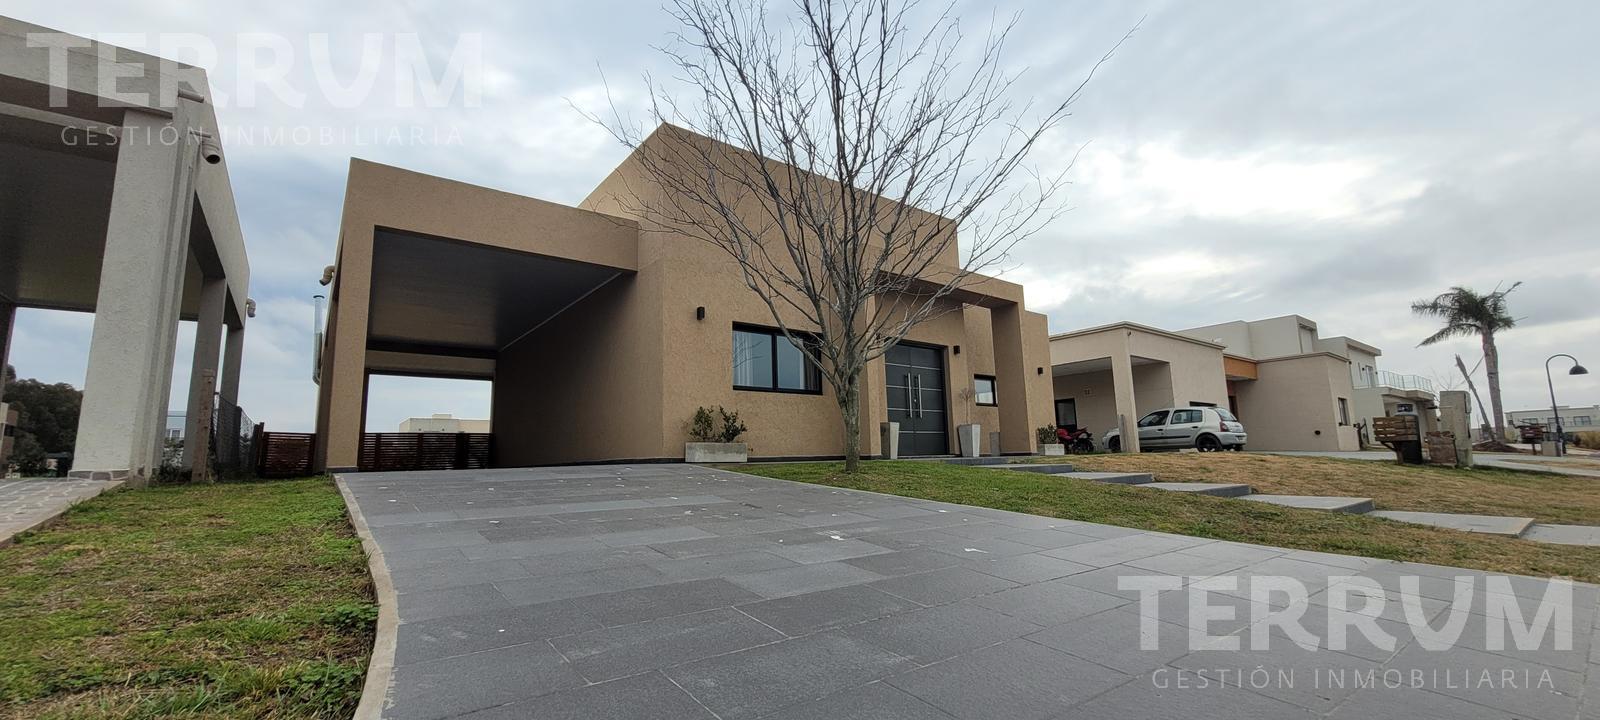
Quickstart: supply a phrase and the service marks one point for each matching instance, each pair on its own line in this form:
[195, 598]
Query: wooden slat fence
[424, 451]
[285, 454]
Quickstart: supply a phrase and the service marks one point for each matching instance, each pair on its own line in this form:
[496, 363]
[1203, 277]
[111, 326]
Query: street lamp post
[1555, 412]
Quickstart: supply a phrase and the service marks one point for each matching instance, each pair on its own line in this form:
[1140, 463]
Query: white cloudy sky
[1245, 160]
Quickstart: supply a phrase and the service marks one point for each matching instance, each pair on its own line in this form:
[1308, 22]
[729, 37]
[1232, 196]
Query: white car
[1207, 429]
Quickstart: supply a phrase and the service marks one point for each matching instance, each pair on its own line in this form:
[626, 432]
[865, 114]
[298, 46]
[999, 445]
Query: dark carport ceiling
[441, 295]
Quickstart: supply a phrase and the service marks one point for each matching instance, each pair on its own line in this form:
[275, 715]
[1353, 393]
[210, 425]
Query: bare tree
[860, 146]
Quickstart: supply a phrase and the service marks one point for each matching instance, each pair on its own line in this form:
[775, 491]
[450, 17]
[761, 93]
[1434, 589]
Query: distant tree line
[47, 422]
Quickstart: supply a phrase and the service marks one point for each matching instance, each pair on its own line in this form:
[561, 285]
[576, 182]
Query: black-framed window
[763, 359]
[983, 390]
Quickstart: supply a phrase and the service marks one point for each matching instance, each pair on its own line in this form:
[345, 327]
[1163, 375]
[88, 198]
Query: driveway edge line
[380, 669]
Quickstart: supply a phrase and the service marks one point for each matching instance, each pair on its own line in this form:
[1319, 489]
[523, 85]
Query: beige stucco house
[603, 332]
[1292, 388]
[444, 423]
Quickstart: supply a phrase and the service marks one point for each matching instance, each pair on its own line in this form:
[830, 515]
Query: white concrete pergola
[115, 199]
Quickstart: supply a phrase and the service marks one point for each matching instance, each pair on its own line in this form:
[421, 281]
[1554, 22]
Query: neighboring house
[443, 423]
[1292, 389]
[602, 332]
[176, 425]
[1573, 419]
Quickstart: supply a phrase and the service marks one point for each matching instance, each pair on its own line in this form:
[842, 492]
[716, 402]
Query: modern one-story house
[603, 332]
[1292, 389]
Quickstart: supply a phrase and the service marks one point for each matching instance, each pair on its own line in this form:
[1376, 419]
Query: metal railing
[1385, 378]
[232, 434]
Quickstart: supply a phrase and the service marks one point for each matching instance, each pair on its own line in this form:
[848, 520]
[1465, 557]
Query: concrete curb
[380, 669]
[49, 520]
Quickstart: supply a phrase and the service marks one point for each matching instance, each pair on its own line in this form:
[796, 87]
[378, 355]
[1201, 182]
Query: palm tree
[1465, 314]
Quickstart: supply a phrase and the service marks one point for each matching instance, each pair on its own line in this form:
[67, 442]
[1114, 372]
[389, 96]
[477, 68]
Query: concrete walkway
[31, 503]
[672, 591]
[1577, 466]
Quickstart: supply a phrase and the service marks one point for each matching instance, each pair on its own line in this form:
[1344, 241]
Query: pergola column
[8, 316]
[1011, 378]
[136, 312]
[1127, 407]
[207, 345]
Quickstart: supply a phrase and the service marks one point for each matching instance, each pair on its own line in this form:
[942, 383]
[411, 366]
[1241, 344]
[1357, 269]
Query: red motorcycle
[1079, 441]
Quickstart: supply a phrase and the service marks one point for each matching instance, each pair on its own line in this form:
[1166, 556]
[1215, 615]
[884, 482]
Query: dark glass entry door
[915, 385]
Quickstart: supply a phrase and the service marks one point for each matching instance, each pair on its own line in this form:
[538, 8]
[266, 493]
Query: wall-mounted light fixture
[958, 350]
[700, 313]
[1041, 371]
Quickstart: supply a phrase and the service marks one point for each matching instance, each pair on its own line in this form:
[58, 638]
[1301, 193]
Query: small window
[1582, 420]
[1225, 415]
[983, 390]
[1154, 419]
[1184, 417]
[1344, 411]
[765, 359]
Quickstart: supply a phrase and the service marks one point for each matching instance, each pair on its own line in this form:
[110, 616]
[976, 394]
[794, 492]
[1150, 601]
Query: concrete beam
[8, 316]
[1011, 378]
[1127, 405]
[136, 314]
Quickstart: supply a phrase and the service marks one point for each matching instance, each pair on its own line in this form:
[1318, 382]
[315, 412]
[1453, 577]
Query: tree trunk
[849, 396]
[1491, 367]
[1483, 410]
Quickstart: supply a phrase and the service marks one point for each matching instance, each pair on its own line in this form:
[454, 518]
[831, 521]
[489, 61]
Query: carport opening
[398, 403]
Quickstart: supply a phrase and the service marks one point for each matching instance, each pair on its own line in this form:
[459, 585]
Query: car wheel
[1208, 443]
[1114, 445]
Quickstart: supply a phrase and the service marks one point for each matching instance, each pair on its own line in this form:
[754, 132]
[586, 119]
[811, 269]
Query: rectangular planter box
[1053, 449]
[697, 452]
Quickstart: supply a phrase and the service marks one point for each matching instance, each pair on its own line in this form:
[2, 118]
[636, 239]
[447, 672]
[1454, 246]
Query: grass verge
[238, 600]
[1545, 497]
[1197, 515]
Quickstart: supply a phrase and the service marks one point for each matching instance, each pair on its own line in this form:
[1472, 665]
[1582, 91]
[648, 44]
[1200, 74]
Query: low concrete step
[1110, 477]
[1046, 468]
[981, 460]
[1353, 505]
[1489, 524]
[1564, 534]
[1217, 489]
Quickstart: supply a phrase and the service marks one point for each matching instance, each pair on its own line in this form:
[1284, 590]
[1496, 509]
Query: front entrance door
[915, 385]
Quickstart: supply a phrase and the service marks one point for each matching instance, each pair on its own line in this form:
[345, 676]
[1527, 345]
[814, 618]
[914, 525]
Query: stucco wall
[1293, 406]
[1092, 393]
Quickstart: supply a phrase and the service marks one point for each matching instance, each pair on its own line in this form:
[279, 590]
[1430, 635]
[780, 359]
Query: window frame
[773, 335]
[994, 390]
[1344, 412]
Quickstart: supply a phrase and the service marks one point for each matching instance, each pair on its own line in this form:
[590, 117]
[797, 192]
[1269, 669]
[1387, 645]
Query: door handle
[910, 411]
[918, 380]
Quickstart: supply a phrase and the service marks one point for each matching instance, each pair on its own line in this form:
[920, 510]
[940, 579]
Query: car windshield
[1226, 415]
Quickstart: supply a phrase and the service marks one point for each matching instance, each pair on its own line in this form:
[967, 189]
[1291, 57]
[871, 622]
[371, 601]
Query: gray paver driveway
[28, 503]
[673, 591]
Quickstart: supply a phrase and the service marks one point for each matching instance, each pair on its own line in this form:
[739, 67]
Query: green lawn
[238, 600]
[1197, 515]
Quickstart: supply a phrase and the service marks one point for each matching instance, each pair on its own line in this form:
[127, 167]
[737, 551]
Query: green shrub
[719, 426]
[1047, 435]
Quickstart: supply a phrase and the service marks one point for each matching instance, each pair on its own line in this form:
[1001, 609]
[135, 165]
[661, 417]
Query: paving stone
[649, 603]
[615, 652]
[826, 609]
[1049, 539]
[876, 701]
[1017, 680]
[1115, 638]
[713, 566]
[1113, 551]
[1353, 505]
[933, 634]
[1027, 568]
[1156, 696]
[535, 590]
[1050, 603]
[803, 579]
[937, 587]
[763, 680]
[1490, 524]
[1109, 477]
[1231, 490]
[1588, 535]
[1412, 704]
[464, 683]
[1300, 677]
[648, 696]
[444, 602]
[906, 562]
[461, 573]
[1458, 674]
[827, 551]
[460, 634]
